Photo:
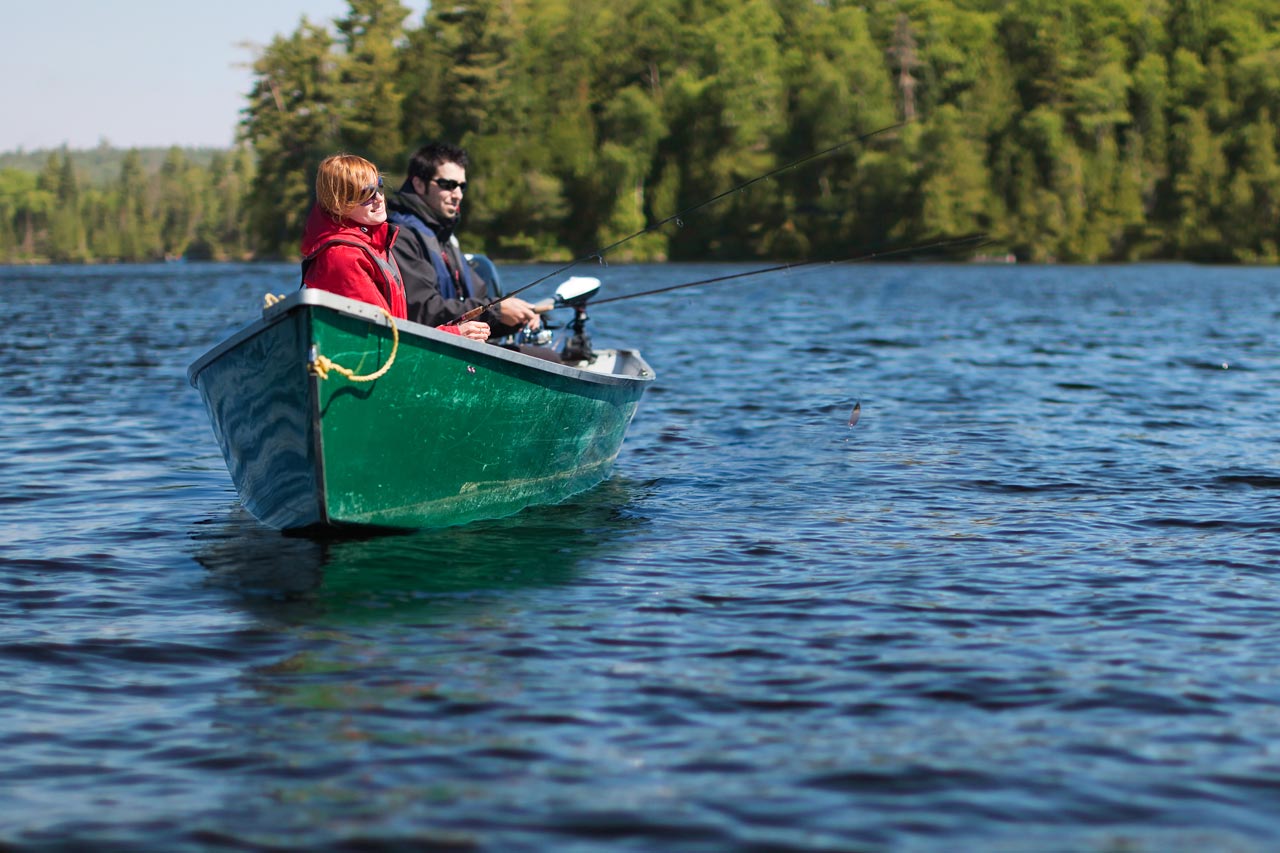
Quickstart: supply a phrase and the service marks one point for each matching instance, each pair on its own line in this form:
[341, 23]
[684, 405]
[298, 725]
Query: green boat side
[454, 431]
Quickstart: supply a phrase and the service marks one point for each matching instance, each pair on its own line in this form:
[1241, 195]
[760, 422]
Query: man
[439, 284]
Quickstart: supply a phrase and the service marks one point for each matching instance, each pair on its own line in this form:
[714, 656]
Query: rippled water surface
[1029, 601]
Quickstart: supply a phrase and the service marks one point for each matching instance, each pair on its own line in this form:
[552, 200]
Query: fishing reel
[539, 337]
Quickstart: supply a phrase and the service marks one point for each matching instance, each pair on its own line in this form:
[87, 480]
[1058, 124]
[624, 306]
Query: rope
[320, 365]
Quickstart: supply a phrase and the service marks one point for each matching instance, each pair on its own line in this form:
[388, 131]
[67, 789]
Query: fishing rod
[576, 292]
[676, 217]
[951, 243]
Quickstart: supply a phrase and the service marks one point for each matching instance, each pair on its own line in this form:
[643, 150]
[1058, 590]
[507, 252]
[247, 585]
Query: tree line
[1074, 130]
[182, 209]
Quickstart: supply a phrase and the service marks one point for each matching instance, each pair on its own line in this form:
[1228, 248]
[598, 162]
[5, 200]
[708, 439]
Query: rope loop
[319, 365]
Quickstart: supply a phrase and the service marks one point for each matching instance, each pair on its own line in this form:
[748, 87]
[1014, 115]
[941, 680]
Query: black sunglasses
[449, 185]
[371, 192]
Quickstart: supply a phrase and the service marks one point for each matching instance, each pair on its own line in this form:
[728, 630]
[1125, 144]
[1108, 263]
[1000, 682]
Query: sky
[138, 73]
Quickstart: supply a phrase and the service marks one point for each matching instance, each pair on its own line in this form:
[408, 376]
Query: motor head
[574, 292]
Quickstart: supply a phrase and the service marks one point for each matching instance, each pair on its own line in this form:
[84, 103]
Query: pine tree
[369, 110]
[292, 123]
[66, 242]
[139, 237]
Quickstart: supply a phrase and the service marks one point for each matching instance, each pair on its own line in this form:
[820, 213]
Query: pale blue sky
[137, 72]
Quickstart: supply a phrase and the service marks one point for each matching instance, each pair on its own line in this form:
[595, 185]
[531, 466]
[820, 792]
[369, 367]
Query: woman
[346, 245]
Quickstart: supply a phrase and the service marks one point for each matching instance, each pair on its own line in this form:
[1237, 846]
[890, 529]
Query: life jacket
[390, 272]
[446, 283]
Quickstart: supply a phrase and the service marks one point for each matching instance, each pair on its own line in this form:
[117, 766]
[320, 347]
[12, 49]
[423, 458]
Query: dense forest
[101, 165]
[1074, 130]
[187, 206]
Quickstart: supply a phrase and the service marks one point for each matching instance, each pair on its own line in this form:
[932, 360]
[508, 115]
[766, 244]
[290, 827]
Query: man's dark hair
[428, 158]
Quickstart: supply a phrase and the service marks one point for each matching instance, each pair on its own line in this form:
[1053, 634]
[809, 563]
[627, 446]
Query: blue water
[1030, 601]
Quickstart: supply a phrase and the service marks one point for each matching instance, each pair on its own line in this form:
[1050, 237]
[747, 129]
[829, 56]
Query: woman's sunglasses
[371, 192]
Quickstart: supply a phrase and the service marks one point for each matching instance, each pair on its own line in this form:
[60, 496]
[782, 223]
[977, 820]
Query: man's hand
[517, 312]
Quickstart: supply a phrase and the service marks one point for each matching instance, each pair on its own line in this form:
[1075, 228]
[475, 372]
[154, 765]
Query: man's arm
[422, 292]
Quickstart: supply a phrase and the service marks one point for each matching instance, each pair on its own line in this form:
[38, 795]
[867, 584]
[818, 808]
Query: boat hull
[453, 432]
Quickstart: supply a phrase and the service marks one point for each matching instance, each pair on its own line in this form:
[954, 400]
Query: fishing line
[950, 243]
[675, 217]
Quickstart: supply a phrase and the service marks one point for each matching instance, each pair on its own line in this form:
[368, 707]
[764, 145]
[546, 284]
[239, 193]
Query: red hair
[343, 182]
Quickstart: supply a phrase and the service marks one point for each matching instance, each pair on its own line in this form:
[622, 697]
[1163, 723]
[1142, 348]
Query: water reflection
[395, 665]
[297, 576]
[1037, 588]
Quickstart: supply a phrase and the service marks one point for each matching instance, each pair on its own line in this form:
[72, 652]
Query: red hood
[321, 227]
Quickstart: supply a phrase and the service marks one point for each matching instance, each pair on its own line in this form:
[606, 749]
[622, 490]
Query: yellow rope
[321, 365]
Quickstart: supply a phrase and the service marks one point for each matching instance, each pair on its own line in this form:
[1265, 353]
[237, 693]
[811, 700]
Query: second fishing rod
[576, 292]
[598, 254]
[947, 246]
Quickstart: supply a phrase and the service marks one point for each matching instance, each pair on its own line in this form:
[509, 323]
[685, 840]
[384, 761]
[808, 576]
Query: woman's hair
[342, 182]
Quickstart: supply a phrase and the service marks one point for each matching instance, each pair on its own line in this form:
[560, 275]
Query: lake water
[1030, 601]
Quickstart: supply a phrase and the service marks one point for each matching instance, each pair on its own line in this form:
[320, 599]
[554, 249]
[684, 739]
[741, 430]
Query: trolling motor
[574, 293]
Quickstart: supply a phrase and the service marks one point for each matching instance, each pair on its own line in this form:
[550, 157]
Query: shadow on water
[290, 575]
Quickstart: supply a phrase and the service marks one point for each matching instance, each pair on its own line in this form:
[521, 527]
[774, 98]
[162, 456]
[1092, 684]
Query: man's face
[445, 203]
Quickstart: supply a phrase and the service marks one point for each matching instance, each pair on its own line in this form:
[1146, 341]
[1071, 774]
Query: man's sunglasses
[449, 185]
[371, 192]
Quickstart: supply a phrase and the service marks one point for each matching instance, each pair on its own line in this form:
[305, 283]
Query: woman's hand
[475, 330]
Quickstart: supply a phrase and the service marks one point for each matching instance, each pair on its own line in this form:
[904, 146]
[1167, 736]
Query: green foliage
[100, 166]
[181, 209]
[1079, 130]
[367, 100]
[293, 121]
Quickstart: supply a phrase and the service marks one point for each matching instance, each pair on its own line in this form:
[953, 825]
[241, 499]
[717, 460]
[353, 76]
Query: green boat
[429, 430]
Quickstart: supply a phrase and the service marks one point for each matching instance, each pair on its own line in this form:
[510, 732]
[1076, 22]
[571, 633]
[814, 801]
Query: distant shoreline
[101, 164]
